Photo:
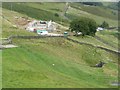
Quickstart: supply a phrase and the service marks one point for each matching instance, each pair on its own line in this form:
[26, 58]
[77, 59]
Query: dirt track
[7, 46]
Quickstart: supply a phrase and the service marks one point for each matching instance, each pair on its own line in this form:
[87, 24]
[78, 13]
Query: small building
[42, 32]
[38, 26]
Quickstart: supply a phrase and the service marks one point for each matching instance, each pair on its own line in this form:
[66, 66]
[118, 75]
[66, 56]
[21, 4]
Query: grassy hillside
[8, 30]
[8, 23]
[112, 5]
[108, 39]
[40, 11]
[97, 10]
[99, 14]
[111, 37]
[31, 12]
[30, 65]
[55, 62]
[58, 7]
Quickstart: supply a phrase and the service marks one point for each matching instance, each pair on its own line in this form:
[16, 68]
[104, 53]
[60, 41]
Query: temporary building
[42, 32]
[41, 25]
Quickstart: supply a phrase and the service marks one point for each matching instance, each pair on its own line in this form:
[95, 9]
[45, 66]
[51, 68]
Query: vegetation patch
[32, 56]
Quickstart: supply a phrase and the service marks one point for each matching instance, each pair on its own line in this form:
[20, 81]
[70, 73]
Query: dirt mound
[22, 21]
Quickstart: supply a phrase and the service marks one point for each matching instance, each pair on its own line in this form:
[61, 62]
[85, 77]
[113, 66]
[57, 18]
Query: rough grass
[40, 11]
[8, 23]
[33, 12]
[74, 13]
[10, 15]
[97, 10]
[8, 30]
[58, 7]
[30, 65]
[111, 37]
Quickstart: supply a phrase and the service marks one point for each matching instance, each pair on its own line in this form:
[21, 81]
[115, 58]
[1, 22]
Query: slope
[54, 62]
[31, 65]
[76, 10]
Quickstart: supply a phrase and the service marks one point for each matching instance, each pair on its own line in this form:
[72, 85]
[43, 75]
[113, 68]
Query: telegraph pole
[11, 6]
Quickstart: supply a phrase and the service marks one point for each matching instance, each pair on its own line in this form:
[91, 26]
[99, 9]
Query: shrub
[104, 25]
[56, 14]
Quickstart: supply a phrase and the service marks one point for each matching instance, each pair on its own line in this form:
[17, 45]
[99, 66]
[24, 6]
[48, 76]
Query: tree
[93, 3]
[92, 27]
[113, 5]
[86, 26]
[104, 25]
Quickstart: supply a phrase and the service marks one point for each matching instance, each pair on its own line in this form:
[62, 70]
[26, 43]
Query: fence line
[101, 40]
[106, 49]
[37, 37]
[32, 37]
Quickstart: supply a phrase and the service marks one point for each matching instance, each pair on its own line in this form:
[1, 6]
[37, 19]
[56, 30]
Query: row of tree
[93, 3]
[86, 26]
[112, 5]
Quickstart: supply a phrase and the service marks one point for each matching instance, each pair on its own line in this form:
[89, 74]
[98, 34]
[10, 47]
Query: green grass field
[56, 62]
[58, 7]
[97, 10]
[8, 28]
[106, 35]
[30, 65]
[40, 11]
[29, 11]
[111, 37]
[76, 13]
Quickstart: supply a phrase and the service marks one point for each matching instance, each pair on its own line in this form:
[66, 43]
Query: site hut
[45, 27]
[41, 27]
[31, 26]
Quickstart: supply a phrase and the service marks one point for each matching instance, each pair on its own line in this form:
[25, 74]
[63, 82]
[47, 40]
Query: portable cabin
[42, 32]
